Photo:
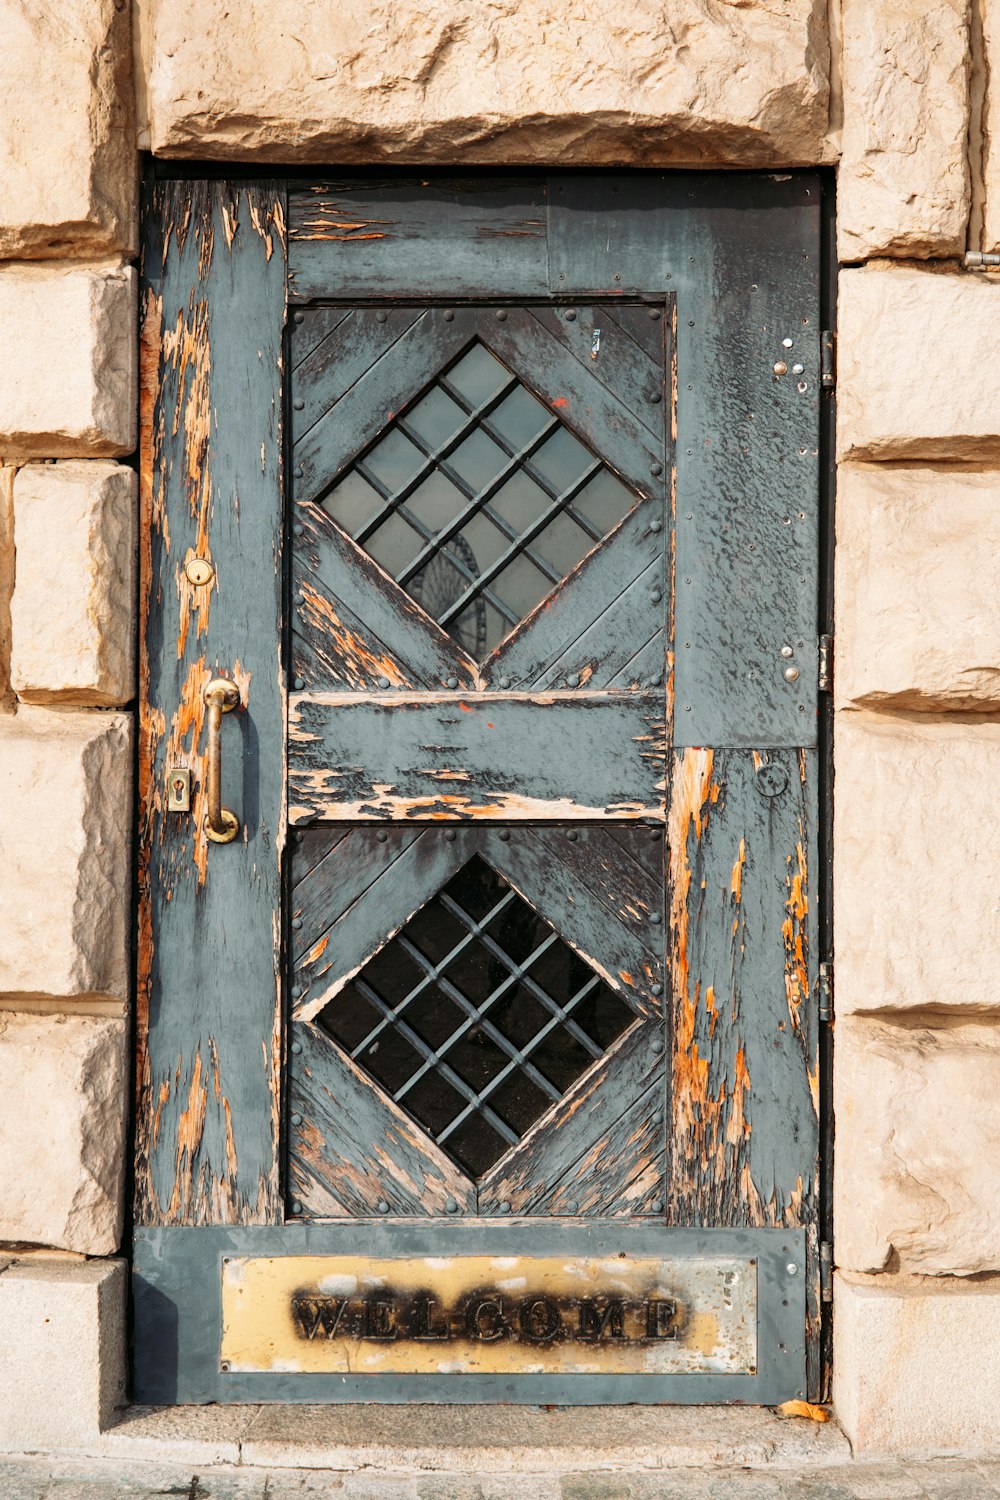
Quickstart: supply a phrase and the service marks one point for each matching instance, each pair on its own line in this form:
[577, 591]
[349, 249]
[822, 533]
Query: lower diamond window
[477, 1017]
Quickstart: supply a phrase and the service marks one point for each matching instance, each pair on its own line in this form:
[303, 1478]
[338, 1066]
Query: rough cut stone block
[72, 613]
[913, 346]
[62, 1354]
[68, 353]
[65, 867]
[918, 1147]
[916, 830]
[513, 81]
[63, 1098]
[903, 183]
[918, 608]
[916, 1364]
[6, 583]
[68, 169]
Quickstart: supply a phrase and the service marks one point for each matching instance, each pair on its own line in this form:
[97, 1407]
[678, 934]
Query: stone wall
[899, 94]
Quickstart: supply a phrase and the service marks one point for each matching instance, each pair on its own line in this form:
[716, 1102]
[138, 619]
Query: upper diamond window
[477, 500]
[477, 1017]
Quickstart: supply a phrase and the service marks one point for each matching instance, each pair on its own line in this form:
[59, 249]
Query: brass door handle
[221, 824]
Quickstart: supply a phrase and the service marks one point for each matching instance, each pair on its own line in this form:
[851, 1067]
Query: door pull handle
[221, 824]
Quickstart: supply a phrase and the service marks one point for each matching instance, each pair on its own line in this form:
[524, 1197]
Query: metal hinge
[825, 1271]
[826, 992]
[824, 675]
[828, 360]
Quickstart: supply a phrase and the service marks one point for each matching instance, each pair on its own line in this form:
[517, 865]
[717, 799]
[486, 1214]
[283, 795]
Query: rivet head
[501, 316]
[296, 1207]
[654, 313]
[380, 317]
[656, 525]
[504, 834]
[655, 595]
[296, 923]
[656, 1045]
[655, 918]
[452, 682]
[791, 674]
[450, 835]
[450, 1207]
[383, 1206]
[792, 1268]
[573, 835]
[296, 1119]
[296, 1048]
[296, 991]
[571, 1206]
[571, 315]
[786, 343]
[381, 836]
[787, 651]
[657, 1205]
[298, 404]
[656, 470]
[656, 989]
[573, 680]
[780, 368]
[656, 397]
[383, 682]
[298, 317]
[449, 316]
[299, 684]
[298, 529]
[505, 683]
[798, 369]
[199, 571]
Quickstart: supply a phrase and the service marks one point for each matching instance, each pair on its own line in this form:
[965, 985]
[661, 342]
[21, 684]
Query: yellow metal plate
[482, 1314]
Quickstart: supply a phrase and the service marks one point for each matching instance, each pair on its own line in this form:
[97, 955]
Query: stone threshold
[471, 1439]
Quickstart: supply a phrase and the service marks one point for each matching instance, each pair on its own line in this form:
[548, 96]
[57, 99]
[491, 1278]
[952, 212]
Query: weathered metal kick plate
[489, 1314]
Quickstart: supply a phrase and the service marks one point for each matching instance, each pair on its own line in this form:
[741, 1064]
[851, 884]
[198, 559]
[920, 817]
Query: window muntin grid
[478, 500]
[477, 1017]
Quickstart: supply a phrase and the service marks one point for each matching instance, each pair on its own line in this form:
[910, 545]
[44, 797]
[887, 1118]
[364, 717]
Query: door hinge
[824, 678]
[825, 1271]
[828, 360]
[826, 992]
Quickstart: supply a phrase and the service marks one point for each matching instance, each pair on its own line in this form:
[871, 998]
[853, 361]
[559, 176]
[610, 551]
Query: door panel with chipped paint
[525, 647]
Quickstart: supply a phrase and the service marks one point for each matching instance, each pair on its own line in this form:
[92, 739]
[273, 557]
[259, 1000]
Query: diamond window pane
[477, 501]
[477, 1017]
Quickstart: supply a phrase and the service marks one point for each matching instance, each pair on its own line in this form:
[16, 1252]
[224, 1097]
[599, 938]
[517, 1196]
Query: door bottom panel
[574, 1314]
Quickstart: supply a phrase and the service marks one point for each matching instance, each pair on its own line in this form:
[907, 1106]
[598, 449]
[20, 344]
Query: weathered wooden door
[491, 510]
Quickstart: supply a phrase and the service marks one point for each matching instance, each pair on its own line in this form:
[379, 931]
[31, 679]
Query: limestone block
[68, 353]
[6, 583]
[68, 166]
[918, 1147]
[916, 1364]
[916, 830]
[508, 81]
[913, 349]
[62, 1355]
[65, 865]
[73, 606]
[918, 609]
[903, 184]
[63, 1099]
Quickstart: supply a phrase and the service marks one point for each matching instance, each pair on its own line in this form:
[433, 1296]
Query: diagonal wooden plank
[646, 324]
[327, 887]
[353, 1149]
[644, 667]
[387, 387]
[347, 353]
[597, 862]
[601, 1149]
[312, 845]
[645, 845]
[547, 634]
[588, 408]
[631, 961]
[310, 326]
[333, 577]
[609, 356]
[356, 931]
[598, 655]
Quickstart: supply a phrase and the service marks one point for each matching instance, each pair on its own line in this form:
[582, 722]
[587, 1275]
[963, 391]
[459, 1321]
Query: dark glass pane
[390, 1059]
[392, 974]
[603, 1015]
[350, 1017]
[518, 930]
[475, 1145]
[561, 973]
[476, 974]
[433, 1102]
[476, 1058]
[476, 565]
[561, 1058]
[520, 1016]
[433, 1016]
[519, 1102]
[435, 931]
